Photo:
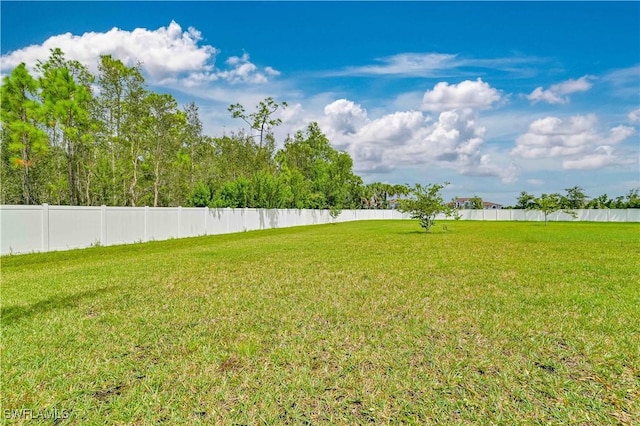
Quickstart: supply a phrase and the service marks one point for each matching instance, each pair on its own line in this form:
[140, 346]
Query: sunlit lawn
[370, 322]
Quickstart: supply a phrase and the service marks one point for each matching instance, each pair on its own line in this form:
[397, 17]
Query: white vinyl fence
[583, 215]
[43, 228]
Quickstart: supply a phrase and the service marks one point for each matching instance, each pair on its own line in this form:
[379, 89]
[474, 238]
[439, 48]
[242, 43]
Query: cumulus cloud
[601, 157]
[634, 116]
[475, 95]
[345, 117]
[576, 138]
[556, 94]
[452, 139]
[167, 54]
[242, 70]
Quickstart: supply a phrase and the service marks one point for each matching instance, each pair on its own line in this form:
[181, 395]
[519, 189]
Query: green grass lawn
[367, 322]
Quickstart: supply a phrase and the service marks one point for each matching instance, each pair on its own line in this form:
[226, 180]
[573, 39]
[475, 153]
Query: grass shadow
[410, 232]
[11, 314]
[438, 231]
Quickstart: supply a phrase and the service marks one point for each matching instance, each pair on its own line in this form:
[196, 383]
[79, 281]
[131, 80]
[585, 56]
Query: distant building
[467, 203]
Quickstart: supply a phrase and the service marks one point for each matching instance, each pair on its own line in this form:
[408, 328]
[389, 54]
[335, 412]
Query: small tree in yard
[549, 203]
[425, 204]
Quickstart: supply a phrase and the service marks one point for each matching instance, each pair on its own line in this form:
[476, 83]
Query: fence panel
[598, 215]
[124, 225]
[192, 222]
[633, 215]
[163, 223]
[216, 221]
[503, 214]
[21, 229]
[43, 228]
[74, 227]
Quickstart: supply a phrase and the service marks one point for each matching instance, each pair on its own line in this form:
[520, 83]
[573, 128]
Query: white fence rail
[45, 228]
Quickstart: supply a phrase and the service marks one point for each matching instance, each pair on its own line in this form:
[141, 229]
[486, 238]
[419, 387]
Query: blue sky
[494, 97]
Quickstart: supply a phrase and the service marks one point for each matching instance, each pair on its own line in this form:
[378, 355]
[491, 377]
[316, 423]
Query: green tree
[328, 171]
[67, 101]
[476, 203]
[575, 198]
[633, 198]
[379, 193]
[262, 119]
[235, 194]
[235, 156]
[600, 202]
[193, 158]
[164, 130]
[124, 115]
[200, 196]
[400, 191]
[525, 201]
[26, 140]
[426, 203]
[549, 203]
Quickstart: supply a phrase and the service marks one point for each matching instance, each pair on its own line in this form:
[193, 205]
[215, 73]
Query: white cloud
[556, 94]
[577, 139]
[166, 55]
[467, 94]
[436, 65]
[423, 64]
[634, 116]
[535, 181]
[601, 157]
[244, 71]
[345, 117]
[624, 82]
[451, 140]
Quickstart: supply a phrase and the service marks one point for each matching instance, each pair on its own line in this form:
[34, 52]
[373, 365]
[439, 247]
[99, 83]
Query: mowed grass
[355, 323]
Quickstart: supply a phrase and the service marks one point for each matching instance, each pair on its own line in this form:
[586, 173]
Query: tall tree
[194, 147]
[633, 198]
[600, 202]
[235, 156]
[262, 119]
[328, 171]
[575, 198]
[21, 121]
[165, 129]
[66, 95]
[122, 110]
[476, 202]
[525, 201]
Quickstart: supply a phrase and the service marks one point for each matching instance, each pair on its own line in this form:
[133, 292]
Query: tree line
[576, 198]
[73, 138]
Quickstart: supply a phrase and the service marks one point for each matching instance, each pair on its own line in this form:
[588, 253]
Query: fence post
[146, 223]
[179, 220]
[205, 219]
[103, 225]
[45, 227]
